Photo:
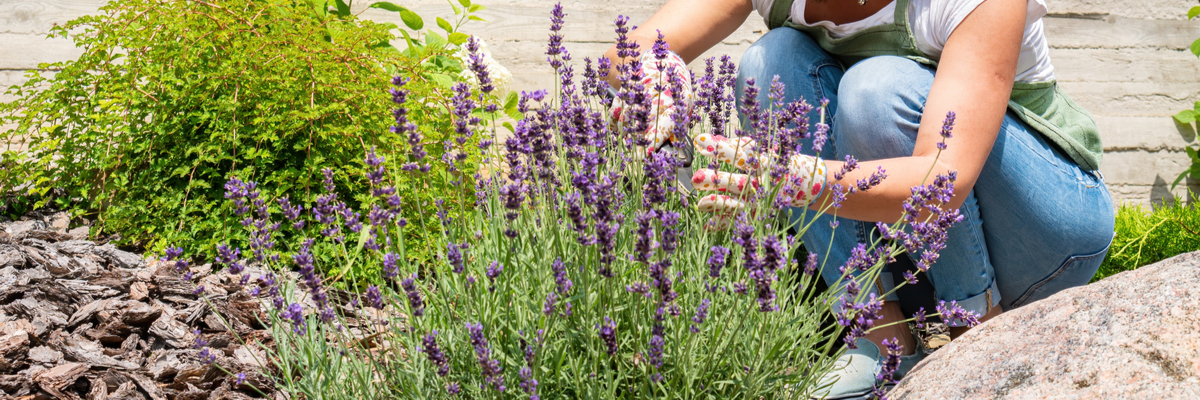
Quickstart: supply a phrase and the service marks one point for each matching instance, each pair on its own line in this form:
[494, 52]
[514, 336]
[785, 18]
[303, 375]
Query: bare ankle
[891, 313]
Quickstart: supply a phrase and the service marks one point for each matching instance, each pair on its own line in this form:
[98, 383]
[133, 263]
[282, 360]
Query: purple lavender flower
[292, 213]
[475, 62]
[555, 47]
[645, 244]
[717, 261]
[172, 253]
[206, 356]
[391, 266]
[947, 128]
[403, 127]
[434, 353]
[241, 378]
[701, 315]
[560, 276]
[455, 258]
[608, 333]
[955, 315]
[230, 258]
[414, 296]
[890, 364]
[810, 265]
[670, 234]
[608, 221]
[528, 384]
[295, 314]
[374, 298]
[850, 164]
[453, 388]
[640, 288]
[492, 372]
[551, 304]
[308, 274]
[493, 271]
[919, 318]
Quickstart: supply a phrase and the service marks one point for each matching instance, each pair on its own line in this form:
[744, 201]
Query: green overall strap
[894, 39]
[780, 11]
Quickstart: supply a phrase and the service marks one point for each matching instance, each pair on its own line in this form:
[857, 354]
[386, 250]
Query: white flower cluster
[501, 77]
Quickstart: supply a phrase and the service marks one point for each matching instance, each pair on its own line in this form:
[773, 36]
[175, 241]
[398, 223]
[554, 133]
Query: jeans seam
[816, 80]
[1061, 268]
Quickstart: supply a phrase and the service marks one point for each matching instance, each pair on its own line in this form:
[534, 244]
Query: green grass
[1148, 236]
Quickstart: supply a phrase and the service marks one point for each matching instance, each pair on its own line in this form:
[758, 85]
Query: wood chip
[56, 379]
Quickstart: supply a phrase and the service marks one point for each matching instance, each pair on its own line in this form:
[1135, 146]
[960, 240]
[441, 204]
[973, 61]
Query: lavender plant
[585, 272]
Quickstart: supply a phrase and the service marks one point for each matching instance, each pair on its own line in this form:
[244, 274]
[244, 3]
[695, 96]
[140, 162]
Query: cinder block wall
[1124, 60]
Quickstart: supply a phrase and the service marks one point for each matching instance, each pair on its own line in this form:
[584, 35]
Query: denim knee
[803, 67]
[881, 101]
[780, 52]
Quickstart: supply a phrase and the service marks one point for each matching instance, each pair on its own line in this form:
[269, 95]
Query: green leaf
[1194, 12]
[458, 38]
[445, 25]
[509, 126]
[1196, 107]
[1186, 116]
[510, 102]
[434, 39]
[383, 5]
[412, 20]
[442, 79]
[465, 3]
[1178, 179]
[412, 44]
[343, 9]
[514, 114]
[389, 26]
[475, 18]
[476, 8]
[321, 7]
[1196, 48]
[1192, 153]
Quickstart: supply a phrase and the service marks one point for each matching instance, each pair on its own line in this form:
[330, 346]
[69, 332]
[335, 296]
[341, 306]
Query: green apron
[1041, 105]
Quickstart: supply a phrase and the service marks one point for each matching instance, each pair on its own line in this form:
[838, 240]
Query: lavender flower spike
[492, 372]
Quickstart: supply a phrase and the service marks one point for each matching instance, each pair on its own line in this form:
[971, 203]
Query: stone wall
[1124, 60]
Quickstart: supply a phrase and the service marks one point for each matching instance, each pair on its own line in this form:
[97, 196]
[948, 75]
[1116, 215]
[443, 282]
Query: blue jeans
[1034, 224]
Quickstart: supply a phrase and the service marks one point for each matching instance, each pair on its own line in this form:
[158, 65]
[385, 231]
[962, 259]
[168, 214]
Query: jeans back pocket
[1076, 271]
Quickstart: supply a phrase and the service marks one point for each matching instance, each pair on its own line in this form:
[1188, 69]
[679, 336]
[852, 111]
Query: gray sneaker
[853, 374]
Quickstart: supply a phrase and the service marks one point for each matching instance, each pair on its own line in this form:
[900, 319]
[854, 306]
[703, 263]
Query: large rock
[1133, 335]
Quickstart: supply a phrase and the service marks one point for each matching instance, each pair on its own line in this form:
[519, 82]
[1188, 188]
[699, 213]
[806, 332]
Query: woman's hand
[802, 181]
[668, 86]
[690, 27]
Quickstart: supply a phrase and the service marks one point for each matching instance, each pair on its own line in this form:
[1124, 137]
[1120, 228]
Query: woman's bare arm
[974, 79]
[691, 27]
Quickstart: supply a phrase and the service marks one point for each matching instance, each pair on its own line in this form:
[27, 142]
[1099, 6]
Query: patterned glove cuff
[820, 178]
[650, 62]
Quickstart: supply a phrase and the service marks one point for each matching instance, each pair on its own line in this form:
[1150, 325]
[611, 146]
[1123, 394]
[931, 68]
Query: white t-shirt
[932, 22]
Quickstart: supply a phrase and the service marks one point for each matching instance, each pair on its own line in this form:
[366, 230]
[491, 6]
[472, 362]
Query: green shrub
[1146, 237]
[170, 98]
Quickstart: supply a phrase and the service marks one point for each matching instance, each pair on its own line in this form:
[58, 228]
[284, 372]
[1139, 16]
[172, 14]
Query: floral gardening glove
[805, 177]
[664, 109]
